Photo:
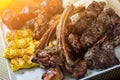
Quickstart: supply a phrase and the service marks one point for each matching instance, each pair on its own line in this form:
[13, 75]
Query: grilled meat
[48, 35]
[72, 41]
[98, 28]
[47, 9]
[78, 70]
[102, 54]
[75, 44]
[48, 57]
[72, 64]
[91, 13]
[81, 29]
[53, 74]
[61, 53]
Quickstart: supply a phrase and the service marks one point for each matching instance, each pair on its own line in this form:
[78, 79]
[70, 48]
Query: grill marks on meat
[102, 54]
[91, 13]
[98, 28]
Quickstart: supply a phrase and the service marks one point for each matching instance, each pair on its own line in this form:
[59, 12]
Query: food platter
[36, 72]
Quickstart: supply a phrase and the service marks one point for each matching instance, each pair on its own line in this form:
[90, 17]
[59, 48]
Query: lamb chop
[102, 54]
[50, 57]
[41, 47]
[45, 39]
[76, 67]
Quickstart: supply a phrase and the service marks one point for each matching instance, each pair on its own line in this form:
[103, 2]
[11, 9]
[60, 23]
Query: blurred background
[16, 5]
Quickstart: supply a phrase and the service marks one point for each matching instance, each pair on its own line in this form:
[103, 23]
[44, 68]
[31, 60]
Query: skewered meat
[102, 54]
[53, 74]
[93, 10]
[98, 28]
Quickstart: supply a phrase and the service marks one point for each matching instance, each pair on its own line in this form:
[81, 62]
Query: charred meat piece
[102, 54]
[98, 28]
[100, 59]
[53, 74]
[91, 13]
[48, 57]
[94, 9]
[78, 70]
[75, 43]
